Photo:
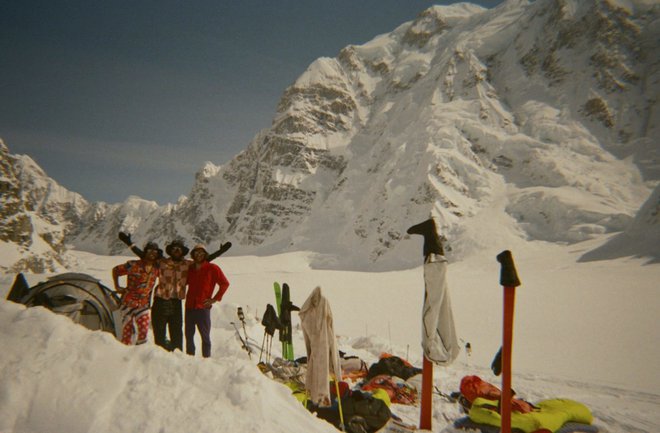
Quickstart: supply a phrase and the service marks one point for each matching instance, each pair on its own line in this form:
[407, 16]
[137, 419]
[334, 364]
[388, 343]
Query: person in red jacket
[203, 277]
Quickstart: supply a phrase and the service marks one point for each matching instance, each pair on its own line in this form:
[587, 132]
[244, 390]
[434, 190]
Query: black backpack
[362, 413]
[392, 366]
[374, 411]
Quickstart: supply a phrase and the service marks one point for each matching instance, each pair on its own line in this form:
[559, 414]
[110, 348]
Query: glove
[125, 238]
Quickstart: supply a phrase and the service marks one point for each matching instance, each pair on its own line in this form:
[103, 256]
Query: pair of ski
[284, 309]
[280, 320]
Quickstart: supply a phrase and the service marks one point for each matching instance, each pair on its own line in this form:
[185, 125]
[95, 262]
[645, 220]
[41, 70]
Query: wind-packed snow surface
[584, 331]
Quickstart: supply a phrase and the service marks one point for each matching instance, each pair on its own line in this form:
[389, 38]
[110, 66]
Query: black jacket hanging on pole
[270, 320]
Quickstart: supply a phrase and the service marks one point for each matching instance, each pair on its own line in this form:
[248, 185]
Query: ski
[278, 298]
[278, 304]
[287, 307]
[284, 309]
[224, 248]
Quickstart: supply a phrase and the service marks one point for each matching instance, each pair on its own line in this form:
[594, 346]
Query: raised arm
[126, 238]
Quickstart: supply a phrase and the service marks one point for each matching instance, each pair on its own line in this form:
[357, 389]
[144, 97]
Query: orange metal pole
[509, 280]
[426, 411]
[507, 346]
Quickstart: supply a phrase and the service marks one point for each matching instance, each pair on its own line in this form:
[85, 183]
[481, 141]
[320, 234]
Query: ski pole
[243, 342]
[509, 280]
[263, 340]
[241, 317]
[270, 347]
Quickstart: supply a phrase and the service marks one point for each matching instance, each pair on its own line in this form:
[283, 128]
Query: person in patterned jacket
[166, 310]
[141, 276]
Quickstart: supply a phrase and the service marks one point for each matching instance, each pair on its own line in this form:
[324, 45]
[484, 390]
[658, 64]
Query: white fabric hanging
[322, 355]
[439, 340]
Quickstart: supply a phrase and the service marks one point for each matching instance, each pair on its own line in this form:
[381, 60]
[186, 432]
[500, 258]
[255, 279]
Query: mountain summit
[529, 121]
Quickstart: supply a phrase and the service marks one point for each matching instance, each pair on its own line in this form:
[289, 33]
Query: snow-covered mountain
[545, 111]
[36, 215]
[39, 218]
[640, 239]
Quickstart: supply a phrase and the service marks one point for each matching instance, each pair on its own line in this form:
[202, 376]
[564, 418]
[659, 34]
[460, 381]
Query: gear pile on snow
[358, 403]
[481, 401]
[337, 388]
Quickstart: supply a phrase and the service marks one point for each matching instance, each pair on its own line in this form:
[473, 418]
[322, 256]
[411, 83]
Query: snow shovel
[509, 280]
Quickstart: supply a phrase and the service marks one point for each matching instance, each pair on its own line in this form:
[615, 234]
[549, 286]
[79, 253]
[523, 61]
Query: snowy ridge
[640, 239]
[542, 110]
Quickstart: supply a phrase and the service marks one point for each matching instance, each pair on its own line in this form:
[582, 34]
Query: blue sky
[116, 98]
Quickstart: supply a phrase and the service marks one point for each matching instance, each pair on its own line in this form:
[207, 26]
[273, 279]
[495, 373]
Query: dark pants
[201, 319]
[166, 315]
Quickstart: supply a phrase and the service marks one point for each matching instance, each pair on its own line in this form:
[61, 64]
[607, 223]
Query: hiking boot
[432, 243]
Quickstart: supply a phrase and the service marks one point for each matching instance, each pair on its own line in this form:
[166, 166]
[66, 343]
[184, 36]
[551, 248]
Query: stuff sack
[473, 387]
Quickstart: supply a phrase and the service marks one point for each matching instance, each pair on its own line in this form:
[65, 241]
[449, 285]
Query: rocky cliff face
[531, 121]
[39, 219]
[37, 215]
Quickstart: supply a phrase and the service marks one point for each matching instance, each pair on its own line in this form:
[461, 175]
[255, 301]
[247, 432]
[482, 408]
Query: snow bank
[584, 331]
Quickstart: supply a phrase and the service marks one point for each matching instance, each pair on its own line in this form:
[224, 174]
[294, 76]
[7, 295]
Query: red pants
[135, 325]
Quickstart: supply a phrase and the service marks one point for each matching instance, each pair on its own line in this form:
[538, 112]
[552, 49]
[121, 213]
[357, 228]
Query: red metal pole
[509, 280]
[426, 411]
[507, 346]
